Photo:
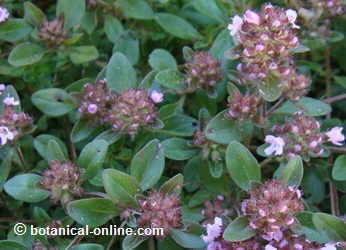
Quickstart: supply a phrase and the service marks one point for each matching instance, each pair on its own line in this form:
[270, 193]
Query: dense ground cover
[219, 121]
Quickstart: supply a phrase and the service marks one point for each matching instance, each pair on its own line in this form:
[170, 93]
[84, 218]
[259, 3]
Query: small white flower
[335, 136]
[329, 246]
[235, 26]
[270, 247]
[10, 101]
[156, 96]
[4, 14]
[213, 230]
[276, 145]
[292, 17]
[5, 135]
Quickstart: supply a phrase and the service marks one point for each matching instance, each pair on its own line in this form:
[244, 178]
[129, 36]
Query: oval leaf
[25, 54]
[242, 165]
[120, 73]
[239, 230]
[148, 164]
[291, 173]
[93, 212]
[25, 187]
[339, 169]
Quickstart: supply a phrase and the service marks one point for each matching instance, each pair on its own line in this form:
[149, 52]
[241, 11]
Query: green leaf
[33, 14]
[25, 187]
[223, 130]
[88, 246]
[11, 245]
[173, 185]
[129, 46]
[270, 90]
[309, 106]
[178, 149]
[130, 242]
[92, 158]
[170, 78]
[209, 8]
[179, 125]
[333, 226]
[339, 169]
[120, 74]
[55, 151]
[73, 11]
[14, 29]
[25, 54]
[89, 22]
[120, 186]
[177, 26]
[113, 28]
[93, 212]
[291, 173]
[148, 164]
[109, 136]
[41, 145]
[239, 230]
[5, 167]
[161, 59]
[222, 43]
[187, 240]
[83, 54]
[53, 102]
[308, 228]
[81, 130]
[137, 9]
[242, 165]
[300, 49]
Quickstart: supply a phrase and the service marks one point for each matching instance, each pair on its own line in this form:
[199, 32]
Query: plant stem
[337, 149]
[151, 244]
[21, 157]
[76, 240]
[335, 98]
[110, 244]
[334, 200]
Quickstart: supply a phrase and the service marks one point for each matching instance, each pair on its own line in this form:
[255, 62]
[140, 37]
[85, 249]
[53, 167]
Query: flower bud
[52, 33]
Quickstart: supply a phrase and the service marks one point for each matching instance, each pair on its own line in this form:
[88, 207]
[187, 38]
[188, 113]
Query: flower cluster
[4, 14]
[214, 209]
[52, 33]
[13, 125]
[63, 179]
[290, 241]
[160, 210]
[215, 240]
[271, 207]
[242, 107]
[125, 112]
[203, 71]
[131, 110]
[301, 136]
[266, 40]
[333, 7]
[95, 101]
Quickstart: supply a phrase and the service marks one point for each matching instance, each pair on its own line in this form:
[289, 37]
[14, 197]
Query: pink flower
[252, 17]
[235, 26]
[4, 14]
[292, 17]
[213, 230]
[5, 135]
[92, 108]
[156, 96]
[276, 145]
[335, 136]
[2, 87]
[10, 101]
[215, 246]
